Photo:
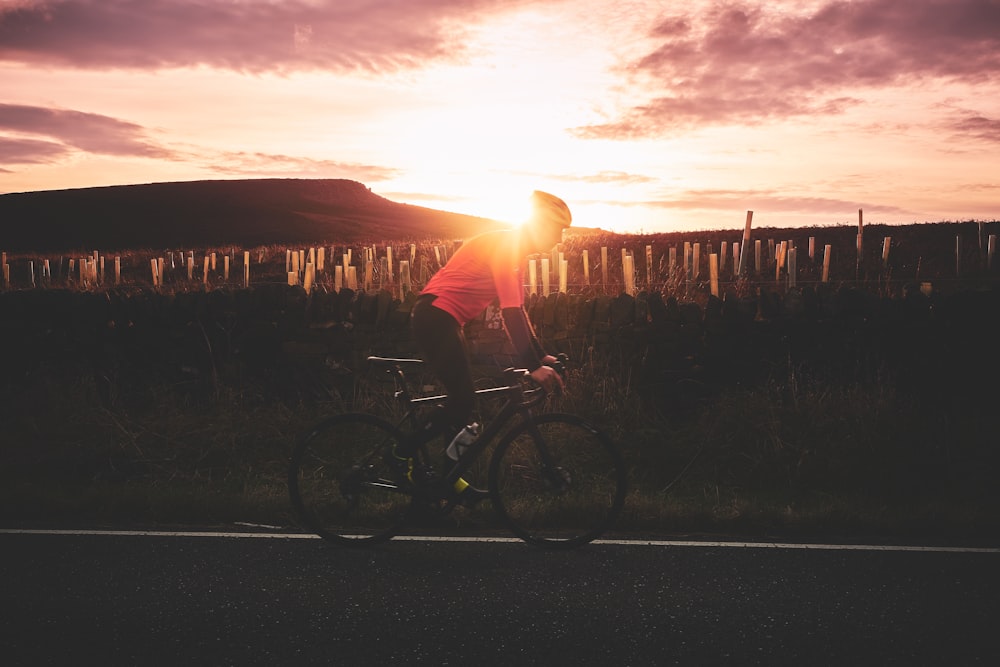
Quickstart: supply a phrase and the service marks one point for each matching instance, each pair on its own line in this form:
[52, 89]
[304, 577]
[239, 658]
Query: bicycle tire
[557, 481]
[339, 486]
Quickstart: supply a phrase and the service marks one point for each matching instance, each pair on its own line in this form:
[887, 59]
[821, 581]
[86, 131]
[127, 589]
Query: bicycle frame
[520, 401]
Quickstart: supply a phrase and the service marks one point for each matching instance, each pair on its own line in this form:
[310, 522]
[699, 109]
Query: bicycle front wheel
[340, 487]
[557, 481]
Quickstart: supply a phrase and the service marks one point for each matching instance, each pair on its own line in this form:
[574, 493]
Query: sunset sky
[644, 115]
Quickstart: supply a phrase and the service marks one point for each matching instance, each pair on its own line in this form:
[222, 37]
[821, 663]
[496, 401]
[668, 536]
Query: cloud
[617, 177]
[64, 129]
[14, 150]
[977, 127]
[764, 201]
[744, 63]
[284, 166]
[249, 35]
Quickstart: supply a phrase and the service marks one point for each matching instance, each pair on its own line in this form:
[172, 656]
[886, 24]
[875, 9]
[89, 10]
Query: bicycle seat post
[402, 394]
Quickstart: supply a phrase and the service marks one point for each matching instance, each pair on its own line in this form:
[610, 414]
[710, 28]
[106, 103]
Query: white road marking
[423, 538]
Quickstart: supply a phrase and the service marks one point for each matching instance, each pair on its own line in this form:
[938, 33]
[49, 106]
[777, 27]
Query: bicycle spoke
[558, 483]
[338, 483]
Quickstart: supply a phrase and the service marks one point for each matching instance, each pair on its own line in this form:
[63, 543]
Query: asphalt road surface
[183, 600]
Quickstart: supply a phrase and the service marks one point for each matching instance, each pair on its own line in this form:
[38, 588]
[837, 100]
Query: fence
[683, 265]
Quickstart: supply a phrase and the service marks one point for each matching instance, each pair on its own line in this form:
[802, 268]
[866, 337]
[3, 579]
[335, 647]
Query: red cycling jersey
[484, 267]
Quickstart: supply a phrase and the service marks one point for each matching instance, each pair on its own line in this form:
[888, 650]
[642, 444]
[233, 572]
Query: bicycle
[555, 480]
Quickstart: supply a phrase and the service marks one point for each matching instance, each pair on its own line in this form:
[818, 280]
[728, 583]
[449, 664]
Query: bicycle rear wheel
[557, 481]
[340, 487]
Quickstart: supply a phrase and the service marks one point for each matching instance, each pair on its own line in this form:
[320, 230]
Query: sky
[644, 115]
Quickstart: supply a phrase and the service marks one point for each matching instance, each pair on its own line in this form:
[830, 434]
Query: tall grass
[794, 453]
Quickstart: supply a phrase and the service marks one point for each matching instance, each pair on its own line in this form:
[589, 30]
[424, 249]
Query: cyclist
[486, 267]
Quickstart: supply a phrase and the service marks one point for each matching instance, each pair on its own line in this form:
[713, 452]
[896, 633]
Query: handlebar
[515, 376]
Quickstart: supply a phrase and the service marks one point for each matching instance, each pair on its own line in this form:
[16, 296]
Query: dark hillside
[212, 213]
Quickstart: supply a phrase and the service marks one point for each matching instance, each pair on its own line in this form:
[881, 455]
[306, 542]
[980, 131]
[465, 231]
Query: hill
[214, 213]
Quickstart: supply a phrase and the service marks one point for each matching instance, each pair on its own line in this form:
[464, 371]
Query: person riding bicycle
[484, 268]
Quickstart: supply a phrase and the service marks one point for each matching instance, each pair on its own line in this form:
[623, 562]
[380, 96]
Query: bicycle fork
[555, 476]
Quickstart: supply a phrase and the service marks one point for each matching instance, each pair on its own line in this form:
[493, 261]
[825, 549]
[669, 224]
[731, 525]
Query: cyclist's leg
[442, 345]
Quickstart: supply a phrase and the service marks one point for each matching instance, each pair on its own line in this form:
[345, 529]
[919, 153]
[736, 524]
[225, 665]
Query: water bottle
[462, 440]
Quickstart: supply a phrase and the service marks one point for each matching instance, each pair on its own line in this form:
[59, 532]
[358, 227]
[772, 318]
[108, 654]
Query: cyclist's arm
[505, 266]
[523, 337]
[530, 350]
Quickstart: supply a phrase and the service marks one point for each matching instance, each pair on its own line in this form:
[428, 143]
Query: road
[184, 600]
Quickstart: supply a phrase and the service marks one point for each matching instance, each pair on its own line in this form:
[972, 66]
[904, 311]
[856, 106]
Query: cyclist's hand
[547, 378]
[558, 363]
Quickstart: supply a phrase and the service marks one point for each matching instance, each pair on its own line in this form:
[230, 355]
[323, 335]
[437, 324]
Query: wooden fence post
[367, 267]
[649, 267]
[604, 268]
[310, 276]
[861, 226]
[713, 274]
[405, 286]
[746, 243]
[779, 260]
[628, 271]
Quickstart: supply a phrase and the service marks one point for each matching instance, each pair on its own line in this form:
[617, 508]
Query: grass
[791, 456]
